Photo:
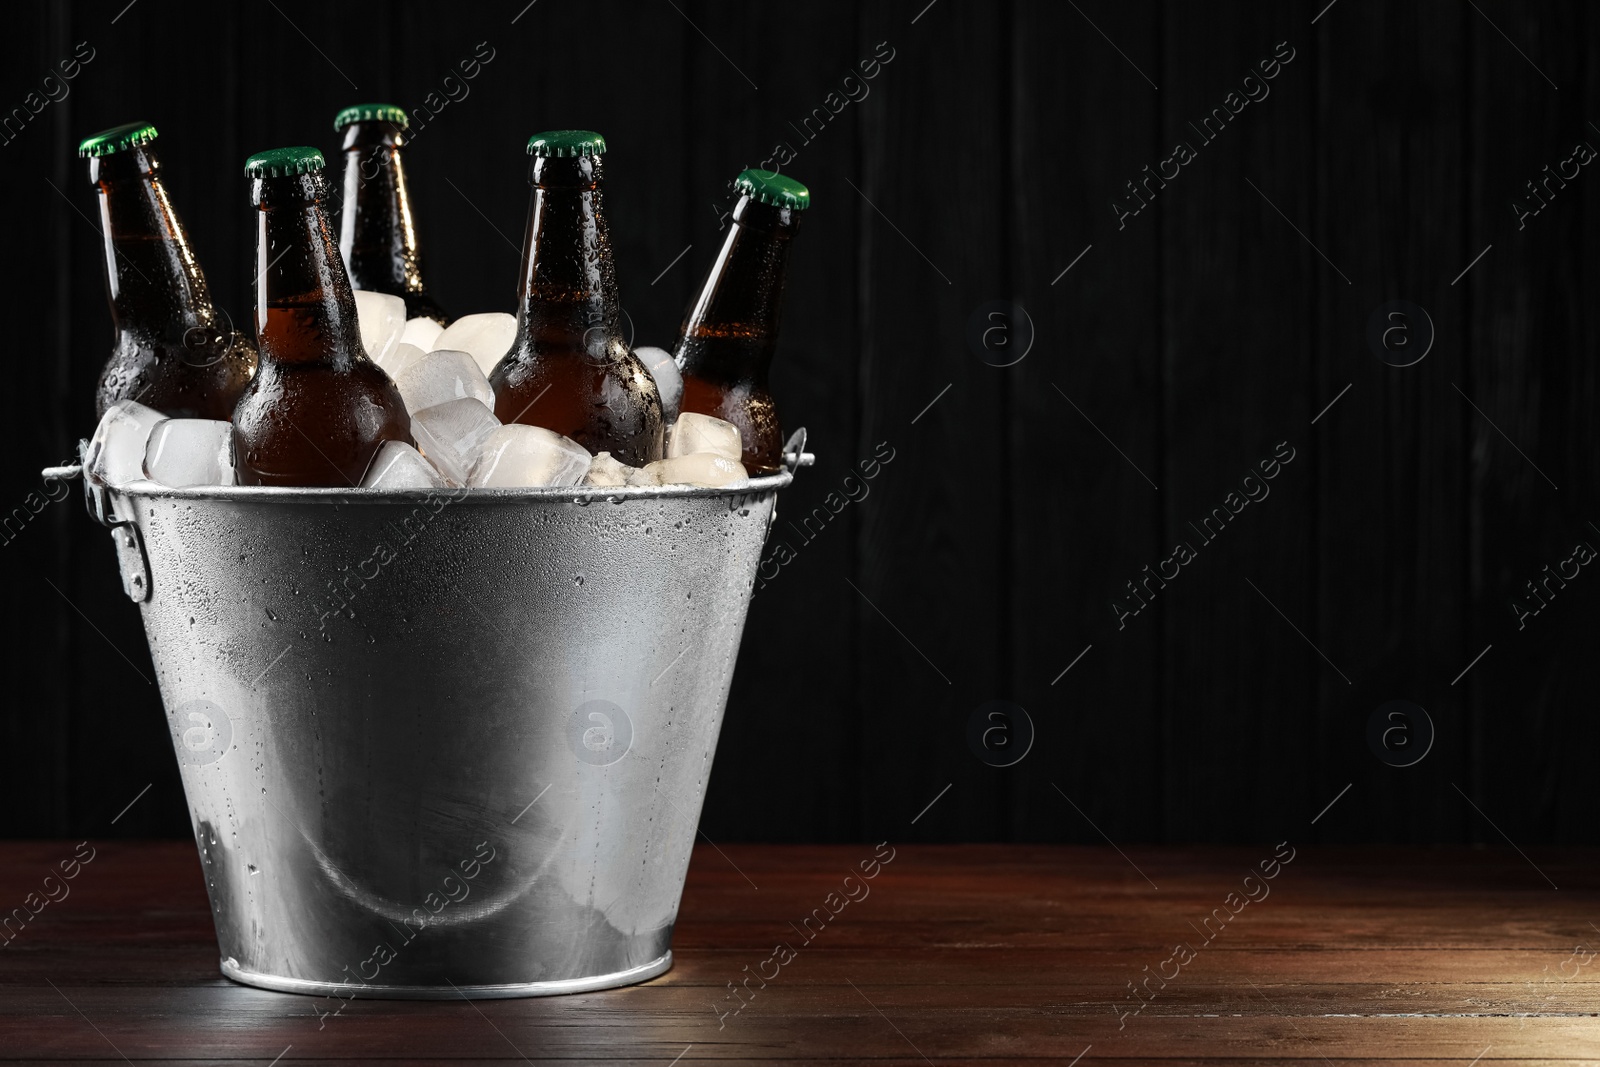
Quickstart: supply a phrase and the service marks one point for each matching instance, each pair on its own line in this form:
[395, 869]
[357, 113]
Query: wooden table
[992, 954]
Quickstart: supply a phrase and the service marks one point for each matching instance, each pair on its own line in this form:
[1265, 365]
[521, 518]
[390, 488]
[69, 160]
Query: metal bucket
[443, 744]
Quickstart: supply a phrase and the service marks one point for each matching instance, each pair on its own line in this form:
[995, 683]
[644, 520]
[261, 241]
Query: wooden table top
[957, 954]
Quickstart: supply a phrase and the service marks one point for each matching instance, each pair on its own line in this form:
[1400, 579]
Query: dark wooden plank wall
[1391, 458]
[1183, 344]
[1084, 519]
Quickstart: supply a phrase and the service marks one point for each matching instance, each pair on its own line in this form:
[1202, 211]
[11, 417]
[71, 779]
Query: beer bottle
[569, 368]
[377, 229]
[175, 351]
[730, 331]
[318, 409]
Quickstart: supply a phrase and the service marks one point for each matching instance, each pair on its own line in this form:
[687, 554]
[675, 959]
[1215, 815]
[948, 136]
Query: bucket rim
[584, 494]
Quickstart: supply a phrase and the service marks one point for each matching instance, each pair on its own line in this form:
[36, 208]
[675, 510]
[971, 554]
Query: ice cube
[399, 466]
[643, 476]
[518, 455]
[449, 433]
[400, 359]
[190, 452]
[116, 451]
[443, 375]
[606, 470]
[658, 361]
[700, 468]
[382, 317]
[701, 433]
[421, 331]
[487, 336]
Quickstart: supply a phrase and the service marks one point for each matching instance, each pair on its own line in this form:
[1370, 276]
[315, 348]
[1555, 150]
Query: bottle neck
[156, 288]
[731, 330]
[305, 310]
[378, 232]
[568, 292]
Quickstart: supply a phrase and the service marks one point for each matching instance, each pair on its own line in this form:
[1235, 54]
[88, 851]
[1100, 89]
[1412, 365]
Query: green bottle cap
[770, 187]
[283, 162]
[559, 144]
[371, 113]
[117, 138]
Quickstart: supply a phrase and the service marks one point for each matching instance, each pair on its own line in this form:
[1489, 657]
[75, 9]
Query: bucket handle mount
[131, 560]
[795, 455]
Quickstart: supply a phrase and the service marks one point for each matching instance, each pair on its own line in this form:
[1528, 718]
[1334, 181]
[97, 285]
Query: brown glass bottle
[175, 350]
[569, 368]
[377, 226]
[725, 347]
[319, 409]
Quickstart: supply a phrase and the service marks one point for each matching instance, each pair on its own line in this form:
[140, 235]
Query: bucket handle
[795, 455]
[134, 565]
[131, 560]
[96, 494]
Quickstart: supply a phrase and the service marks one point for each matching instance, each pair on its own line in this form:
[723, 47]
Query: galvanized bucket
[443, 744]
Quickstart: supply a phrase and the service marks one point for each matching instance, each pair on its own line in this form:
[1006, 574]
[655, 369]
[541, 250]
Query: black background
[1180, 348]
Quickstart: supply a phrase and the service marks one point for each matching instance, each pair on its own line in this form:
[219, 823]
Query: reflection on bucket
[201, 732]
[603, 732]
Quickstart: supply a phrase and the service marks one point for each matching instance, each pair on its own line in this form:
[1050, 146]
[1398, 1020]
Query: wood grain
[1094, 370]
[994, 954]
[1534, 466]
[1235, 384]
[1390, 458]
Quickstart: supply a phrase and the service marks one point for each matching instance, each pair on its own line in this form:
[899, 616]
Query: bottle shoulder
[350, 373]
[569, 363]
[322, 402]
[178, 382]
